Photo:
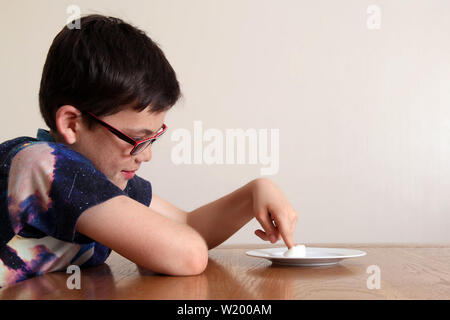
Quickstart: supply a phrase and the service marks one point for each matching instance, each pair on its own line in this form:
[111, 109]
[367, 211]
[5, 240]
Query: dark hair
[104, 67]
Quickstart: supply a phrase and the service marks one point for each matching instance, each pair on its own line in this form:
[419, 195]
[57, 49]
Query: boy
[71, 195]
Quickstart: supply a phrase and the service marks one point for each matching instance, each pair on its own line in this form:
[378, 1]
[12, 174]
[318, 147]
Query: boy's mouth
[128, 174]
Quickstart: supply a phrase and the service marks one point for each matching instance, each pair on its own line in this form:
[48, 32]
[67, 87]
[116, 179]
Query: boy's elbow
[190, 262]
[197, 259]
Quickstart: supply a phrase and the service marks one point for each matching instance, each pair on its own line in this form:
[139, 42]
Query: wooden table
[407, 272]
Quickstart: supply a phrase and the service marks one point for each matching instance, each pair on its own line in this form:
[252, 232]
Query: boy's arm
[220, 219]
[215, 221]
[145, 237]
[167, 209]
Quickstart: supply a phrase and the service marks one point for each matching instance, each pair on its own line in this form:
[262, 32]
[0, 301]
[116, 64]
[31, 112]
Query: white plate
[314, 256]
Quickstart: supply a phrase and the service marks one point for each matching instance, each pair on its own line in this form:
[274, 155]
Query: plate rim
[360, 253]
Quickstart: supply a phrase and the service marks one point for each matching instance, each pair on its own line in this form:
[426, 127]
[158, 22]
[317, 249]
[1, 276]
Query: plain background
[363, 114]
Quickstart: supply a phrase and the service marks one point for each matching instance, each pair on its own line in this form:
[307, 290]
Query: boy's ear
[68, 123]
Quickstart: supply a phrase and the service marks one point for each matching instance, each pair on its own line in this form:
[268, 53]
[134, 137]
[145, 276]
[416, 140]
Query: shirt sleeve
[50, 186]
[140, 190]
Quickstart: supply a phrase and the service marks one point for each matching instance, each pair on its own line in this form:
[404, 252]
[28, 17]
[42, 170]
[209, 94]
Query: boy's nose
[145, 155]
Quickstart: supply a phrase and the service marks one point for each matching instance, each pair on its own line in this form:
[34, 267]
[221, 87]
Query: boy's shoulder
[10, 147]
[30, 149]
[38, 153]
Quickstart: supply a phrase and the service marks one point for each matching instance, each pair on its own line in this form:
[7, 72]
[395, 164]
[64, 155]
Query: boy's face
[109, 153]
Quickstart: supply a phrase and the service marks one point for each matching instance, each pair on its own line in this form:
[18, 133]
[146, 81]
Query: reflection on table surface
[407, 272]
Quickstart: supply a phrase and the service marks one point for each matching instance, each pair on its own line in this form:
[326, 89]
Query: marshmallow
[297, 251]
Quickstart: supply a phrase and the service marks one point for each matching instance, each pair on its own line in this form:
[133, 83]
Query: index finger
[288, 239]
[286, 233]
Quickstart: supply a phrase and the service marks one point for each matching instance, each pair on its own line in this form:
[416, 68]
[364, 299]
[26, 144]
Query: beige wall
[363, 114]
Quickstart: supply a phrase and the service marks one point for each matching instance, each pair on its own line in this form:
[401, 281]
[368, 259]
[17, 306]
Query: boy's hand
[274, 212]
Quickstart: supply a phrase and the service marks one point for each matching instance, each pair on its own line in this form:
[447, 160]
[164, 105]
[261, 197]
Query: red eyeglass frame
[126, 137]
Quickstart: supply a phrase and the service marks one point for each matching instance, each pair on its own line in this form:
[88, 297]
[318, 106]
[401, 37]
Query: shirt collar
[44, 135]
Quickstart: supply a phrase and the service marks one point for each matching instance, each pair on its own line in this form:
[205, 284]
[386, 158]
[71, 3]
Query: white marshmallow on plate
[297, 251]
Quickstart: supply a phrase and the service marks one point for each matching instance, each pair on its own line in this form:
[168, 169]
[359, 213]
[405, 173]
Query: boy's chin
[120, 182]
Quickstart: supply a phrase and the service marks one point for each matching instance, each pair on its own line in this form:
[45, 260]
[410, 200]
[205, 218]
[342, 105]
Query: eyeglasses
[138, 146]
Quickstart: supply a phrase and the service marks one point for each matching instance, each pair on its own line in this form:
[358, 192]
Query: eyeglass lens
[141, 146]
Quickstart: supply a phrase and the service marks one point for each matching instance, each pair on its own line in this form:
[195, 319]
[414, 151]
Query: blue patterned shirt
[44, 188]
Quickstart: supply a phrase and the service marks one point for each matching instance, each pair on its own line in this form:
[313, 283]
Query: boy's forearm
[220, 219]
